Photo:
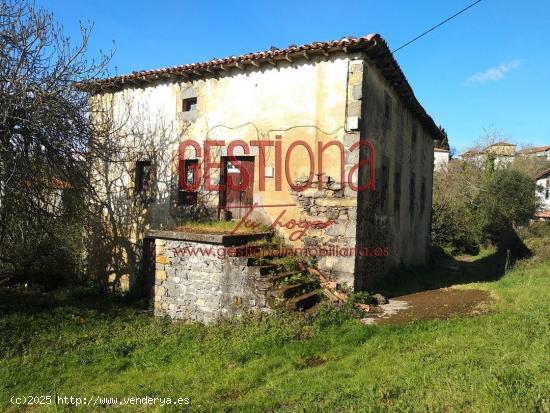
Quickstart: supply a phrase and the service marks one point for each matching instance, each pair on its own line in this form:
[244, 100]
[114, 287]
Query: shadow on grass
[445, 270]
[35, 302]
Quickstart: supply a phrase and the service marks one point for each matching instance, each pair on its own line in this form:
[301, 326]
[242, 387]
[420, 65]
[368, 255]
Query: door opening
[236, 198]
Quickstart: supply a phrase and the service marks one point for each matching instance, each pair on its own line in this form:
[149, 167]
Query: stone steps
[293, 290]
[281, 290]
[305, 301]
[280, 276]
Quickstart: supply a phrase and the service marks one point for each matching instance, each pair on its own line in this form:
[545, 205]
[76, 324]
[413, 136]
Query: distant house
[543, 191]
[542, 152]
[503, 153]
[441, 158]
[473, 156]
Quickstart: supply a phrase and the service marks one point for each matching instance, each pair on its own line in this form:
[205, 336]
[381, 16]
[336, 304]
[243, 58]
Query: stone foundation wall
[339, 205]
[203, 288]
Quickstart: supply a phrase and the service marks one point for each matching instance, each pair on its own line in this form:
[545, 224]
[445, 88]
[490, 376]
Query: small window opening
[387, 109]
[412, 193]
[187, 192]
[384, 184]
[423, 196]
[189, 105]
[143, 176]
[397, 193]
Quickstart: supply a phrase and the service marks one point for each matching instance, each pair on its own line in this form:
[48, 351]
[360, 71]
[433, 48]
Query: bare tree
[44, 128]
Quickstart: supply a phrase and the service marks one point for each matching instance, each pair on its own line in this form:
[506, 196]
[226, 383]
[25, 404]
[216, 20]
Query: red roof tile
[542, 174]
[535, 150]
[542, 214]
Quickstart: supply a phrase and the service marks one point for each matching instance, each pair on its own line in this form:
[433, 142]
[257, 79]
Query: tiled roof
[542, 174]
[500, 144]
[543, 214]
[215, 65]
[534, 150]
[471, 152]
[373, 45]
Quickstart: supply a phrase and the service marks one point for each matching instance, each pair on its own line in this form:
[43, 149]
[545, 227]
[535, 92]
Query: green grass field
[78, 343]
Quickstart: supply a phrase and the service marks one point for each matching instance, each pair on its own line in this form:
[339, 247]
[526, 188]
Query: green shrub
[473, 206]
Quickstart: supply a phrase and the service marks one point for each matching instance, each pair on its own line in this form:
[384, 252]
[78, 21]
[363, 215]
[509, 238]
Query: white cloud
[493, 74]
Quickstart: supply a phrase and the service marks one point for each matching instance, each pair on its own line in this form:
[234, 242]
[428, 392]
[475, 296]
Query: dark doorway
[148, 268]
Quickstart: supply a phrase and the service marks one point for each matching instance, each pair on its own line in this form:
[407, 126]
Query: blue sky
[488, 68]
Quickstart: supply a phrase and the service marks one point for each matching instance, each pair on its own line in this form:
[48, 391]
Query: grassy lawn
[80, 344]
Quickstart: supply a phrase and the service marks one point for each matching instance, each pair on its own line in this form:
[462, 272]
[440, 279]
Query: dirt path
[433, 304]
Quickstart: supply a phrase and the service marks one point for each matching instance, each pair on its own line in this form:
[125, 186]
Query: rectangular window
[143, 176]
[397, 193]
[547, 194]
[384, 184]
[412, 193]
[187, 189]
[423, 196]
[387, 110]
[189, 105]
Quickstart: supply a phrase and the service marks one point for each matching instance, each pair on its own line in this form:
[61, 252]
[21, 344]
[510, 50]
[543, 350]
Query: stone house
[541, 152]
[543, 189]
[441, 158]
[503, 153]
[339, 115]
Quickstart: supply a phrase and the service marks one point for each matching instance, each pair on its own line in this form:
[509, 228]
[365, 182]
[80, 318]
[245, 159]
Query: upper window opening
[387, 108]
[189, 104]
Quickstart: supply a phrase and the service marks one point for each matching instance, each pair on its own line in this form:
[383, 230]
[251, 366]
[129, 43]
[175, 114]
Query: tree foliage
[475, 205]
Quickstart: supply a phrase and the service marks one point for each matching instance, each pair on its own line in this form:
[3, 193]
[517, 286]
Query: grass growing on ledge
[220, 227]
[78, 343]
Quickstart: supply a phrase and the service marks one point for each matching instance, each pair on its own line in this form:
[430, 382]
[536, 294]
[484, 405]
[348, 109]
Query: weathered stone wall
[397, 215]
[336, 200]
[203, 288]
[330, 204]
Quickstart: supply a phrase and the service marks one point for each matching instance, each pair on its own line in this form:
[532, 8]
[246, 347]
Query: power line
[436, 26]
